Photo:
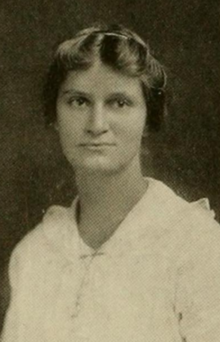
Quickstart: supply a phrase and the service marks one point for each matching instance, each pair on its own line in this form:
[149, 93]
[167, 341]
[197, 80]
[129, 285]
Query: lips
[96, 144]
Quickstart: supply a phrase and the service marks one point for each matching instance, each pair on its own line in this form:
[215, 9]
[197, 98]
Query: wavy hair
[121, 49]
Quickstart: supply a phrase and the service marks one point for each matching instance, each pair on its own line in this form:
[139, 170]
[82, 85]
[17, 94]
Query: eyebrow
[74, 91]
[122, 94]
[110, 95]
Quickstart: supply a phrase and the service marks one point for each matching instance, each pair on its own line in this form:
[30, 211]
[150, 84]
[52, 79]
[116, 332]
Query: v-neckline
[122, 232]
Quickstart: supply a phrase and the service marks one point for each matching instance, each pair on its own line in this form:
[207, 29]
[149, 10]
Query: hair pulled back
[119, 48]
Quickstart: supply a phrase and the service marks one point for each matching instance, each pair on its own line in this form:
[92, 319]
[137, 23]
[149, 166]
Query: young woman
[129, 260]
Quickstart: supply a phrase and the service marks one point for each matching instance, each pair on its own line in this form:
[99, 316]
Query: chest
[106, 296]
[124, 294]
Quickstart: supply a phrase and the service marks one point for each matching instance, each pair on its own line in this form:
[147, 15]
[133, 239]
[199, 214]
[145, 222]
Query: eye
[78, 101]
[119, 102]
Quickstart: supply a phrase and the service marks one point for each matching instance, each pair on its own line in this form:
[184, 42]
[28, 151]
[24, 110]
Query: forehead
[100, 78]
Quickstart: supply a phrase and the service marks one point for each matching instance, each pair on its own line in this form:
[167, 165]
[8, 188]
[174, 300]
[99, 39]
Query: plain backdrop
[184, 36]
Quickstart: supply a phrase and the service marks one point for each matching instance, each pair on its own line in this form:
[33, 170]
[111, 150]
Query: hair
[121, 49]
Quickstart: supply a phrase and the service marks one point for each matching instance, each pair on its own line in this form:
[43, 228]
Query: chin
[98, 166]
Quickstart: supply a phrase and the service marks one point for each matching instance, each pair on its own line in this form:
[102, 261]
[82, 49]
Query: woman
[130, 260]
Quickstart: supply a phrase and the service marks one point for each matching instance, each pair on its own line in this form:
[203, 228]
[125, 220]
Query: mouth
[98, 147]
[96, 144]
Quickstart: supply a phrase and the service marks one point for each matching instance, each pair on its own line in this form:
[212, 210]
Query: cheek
[68, 126]
[69, 135]
[132, 130]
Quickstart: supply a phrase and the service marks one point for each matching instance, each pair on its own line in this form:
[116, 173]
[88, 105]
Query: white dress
[157, 279]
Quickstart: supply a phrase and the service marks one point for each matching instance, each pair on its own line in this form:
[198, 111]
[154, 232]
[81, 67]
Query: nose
[97, 122]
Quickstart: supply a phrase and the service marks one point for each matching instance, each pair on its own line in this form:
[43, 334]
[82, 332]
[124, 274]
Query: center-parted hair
[119, 48]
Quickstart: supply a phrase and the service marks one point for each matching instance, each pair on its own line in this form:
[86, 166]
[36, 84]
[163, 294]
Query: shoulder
[44, 239]
[186, 226]
[175, 208]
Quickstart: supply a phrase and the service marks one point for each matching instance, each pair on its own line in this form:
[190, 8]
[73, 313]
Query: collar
[157, 211]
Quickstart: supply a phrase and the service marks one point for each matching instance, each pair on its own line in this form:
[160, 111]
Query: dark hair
[119, 48]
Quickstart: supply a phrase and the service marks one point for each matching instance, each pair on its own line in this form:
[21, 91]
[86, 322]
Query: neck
[98, 189]
[105, 200]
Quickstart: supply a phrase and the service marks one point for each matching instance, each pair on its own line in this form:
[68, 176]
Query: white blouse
[157, 279]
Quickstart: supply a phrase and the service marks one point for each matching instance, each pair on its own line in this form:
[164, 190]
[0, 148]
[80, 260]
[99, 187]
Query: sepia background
[184, 36]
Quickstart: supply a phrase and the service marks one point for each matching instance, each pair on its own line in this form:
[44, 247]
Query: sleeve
[198, 289]
[10, 328]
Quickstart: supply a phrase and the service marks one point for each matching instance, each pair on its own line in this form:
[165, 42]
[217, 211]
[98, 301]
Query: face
[101, 116]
